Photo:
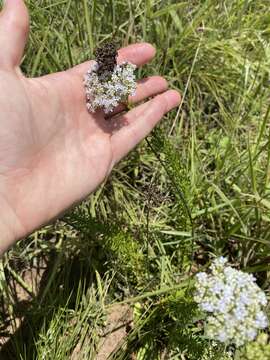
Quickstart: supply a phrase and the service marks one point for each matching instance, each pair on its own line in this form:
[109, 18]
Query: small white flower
[235, 302]
[108, 94]
[206, 306]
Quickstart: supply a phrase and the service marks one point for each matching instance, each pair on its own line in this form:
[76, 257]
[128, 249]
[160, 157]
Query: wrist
[10, 227]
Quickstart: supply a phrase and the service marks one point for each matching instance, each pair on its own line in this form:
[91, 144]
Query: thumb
[14, 28]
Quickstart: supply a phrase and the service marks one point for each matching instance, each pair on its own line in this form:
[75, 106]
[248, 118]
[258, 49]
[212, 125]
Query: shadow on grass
[59, 285]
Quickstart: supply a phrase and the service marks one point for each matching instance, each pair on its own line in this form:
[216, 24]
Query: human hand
[53, 153]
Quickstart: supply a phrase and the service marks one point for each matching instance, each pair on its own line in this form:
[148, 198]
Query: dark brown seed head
[106, 58]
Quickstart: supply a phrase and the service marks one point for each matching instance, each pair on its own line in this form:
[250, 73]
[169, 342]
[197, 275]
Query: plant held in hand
[108, 84]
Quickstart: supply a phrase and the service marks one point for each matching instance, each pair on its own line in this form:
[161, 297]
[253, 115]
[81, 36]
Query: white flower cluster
[107, 94]
[235, 302]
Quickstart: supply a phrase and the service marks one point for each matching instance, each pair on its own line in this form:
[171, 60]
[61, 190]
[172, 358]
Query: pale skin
[53, 153]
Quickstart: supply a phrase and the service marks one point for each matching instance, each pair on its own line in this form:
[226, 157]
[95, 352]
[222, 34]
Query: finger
[14, 27]
[138, 122]
[145, 88]
[138, 54]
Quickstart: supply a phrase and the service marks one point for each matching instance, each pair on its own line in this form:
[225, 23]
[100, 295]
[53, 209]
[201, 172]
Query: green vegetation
[199, 186]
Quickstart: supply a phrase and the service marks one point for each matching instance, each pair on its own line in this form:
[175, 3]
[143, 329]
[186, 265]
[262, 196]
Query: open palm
[53, 153]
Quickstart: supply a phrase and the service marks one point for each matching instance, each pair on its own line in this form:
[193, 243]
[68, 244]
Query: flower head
[235, 302]
[108, 84]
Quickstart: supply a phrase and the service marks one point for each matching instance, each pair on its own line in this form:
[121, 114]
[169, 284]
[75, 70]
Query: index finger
[137, 54]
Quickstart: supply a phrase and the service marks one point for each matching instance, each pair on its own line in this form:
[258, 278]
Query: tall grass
[198, 187]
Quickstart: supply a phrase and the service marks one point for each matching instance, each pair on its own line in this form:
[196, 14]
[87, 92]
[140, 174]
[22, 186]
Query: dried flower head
[235, 302]
[106, 56]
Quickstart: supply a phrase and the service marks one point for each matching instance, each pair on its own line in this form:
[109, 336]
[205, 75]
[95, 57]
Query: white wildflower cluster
[107, 94]
[234, 301]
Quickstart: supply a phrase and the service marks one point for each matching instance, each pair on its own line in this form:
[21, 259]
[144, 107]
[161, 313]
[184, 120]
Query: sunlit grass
[199, 186]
